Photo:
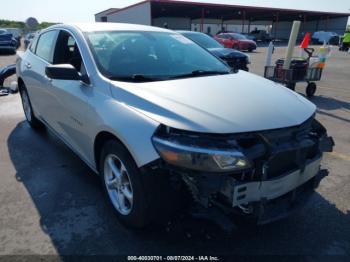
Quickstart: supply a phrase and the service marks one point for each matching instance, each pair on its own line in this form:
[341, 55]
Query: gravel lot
[52, 203]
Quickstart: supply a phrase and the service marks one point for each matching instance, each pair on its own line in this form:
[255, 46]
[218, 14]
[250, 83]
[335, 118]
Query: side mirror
[65, 72]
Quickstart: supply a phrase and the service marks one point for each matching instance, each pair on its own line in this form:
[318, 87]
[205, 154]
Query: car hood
[233, 103]
[227, 53]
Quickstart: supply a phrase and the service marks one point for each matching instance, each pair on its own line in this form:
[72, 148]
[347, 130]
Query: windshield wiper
[201, 73]
[145, 78]
[135, 78]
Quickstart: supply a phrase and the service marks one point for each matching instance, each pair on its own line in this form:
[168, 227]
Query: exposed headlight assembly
[199, 158]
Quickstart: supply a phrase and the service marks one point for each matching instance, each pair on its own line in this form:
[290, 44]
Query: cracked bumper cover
[267, 190]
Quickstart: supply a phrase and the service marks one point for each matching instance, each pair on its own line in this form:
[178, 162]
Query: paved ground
[51, 203]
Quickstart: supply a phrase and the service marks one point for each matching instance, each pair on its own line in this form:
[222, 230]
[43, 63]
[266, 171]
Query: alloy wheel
[118, 184]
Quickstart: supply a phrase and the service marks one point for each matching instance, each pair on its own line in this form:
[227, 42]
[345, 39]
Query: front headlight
[199, 158]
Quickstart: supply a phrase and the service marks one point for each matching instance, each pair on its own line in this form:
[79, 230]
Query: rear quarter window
[33, 44]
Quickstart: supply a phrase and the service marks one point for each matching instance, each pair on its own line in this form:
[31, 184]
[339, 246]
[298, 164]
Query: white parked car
[141, 105]
[321, 37]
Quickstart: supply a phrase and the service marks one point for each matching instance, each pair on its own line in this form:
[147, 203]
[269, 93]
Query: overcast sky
[84, 10]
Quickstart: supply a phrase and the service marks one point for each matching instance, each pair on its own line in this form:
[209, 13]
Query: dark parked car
[5, 72]
[261, 35]
[16, 33]
[236, 41]
[235, 59]
[249, 37]
[7, 41]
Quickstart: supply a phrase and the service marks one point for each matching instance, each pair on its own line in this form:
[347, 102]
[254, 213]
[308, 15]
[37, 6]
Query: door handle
[28, 65]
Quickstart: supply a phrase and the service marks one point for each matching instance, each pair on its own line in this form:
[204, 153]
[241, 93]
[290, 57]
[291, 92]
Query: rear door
[33, 66]
[220, 39]
[227, 41]
[234, 42]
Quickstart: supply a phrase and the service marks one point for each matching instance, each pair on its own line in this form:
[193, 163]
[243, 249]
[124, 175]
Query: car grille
[286, 149]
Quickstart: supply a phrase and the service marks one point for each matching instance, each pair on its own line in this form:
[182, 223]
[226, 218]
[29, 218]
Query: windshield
[203, 40]
[150, 56]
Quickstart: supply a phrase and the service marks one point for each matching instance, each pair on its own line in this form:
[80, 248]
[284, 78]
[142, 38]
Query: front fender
[132, 128]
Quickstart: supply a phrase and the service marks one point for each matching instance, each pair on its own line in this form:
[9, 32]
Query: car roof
[189, 32]
[227, 33]
[102, 26]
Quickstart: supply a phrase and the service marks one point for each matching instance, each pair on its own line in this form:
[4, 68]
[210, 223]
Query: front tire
[28, 109]
[123, 185]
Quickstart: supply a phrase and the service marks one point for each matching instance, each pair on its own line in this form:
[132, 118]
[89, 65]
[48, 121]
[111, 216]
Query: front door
[71, 105]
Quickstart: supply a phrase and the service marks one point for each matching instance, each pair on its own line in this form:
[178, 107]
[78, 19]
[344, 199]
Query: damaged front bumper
[244, 193]
[257, 202]
[284, 170]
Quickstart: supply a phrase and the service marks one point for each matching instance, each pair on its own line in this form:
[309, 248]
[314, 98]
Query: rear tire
[28, 109]
[123, 185]
[236, 47]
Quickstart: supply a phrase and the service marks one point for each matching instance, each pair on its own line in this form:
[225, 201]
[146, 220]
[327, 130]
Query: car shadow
[330, 103]
[326, 104]
[78, 220]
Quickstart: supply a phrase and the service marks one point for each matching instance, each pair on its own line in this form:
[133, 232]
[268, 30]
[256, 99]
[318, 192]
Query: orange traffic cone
[305, 43]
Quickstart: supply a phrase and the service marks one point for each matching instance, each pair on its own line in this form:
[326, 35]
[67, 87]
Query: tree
[21, 25]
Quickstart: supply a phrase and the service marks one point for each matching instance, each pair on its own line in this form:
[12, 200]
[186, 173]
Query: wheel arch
[100, 139]
[21, 83]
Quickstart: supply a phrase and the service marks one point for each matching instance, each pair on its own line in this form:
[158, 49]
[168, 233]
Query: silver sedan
[151, 112]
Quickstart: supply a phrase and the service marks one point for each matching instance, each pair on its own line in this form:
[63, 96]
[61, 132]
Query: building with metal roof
[213, 17]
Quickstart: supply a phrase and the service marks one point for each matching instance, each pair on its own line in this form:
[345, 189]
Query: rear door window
[46, 44]
[225, 36]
